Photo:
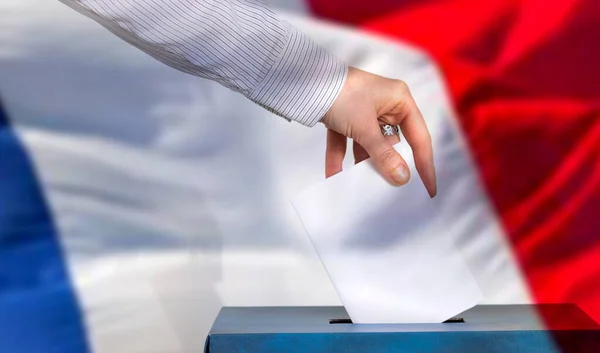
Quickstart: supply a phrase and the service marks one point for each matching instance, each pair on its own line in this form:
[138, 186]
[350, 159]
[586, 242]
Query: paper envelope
[386, 256]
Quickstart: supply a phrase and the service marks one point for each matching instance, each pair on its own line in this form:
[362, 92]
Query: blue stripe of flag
[39, 311]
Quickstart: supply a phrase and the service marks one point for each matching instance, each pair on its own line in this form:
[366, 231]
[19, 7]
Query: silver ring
[390, 130]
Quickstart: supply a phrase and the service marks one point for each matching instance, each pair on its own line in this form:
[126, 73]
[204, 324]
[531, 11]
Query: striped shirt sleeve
[241, 44]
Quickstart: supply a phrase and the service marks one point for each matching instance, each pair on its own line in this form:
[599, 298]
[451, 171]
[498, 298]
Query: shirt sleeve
[241, 44]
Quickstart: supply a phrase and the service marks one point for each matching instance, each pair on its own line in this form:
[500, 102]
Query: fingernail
[400, 175]
[432, 176]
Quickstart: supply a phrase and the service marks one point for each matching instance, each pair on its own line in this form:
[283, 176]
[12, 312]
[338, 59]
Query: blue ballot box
[548, 328]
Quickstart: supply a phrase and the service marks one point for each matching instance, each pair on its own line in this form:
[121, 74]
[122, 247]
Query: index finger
[417, 135]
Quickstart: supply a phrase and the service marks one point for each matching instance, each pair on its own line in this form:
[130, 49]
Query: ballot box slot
[340, 321]
[453, 320]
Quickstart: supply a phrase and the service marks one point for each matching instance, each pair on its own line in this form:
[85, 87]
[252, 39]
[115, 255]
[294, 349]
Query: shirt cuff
[304, 81]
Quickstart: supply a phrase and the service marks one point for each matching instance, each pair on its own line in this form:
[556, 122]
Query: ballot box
[549, 328]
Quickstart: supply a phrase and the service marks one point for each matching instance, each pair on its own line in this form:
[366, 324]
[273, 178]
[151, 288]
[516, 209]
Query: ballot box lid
[334, 319]
[552, 328]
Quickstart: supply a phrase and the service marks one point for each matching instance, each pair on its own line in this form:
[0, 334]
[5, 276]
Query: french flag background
[136, 200]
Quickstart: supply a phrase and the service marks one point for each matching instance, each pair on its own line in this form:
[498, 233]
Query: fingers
[386, 159]
[415, 131]
[334, 155]
[360, 154]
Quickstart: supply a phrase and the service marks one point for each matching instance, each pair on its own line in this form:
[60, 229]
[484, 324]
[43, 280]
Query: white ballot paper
[386, 257]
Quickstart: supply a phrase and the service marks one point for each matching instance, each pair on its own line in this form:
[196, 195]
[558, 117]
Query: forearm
[243, 45]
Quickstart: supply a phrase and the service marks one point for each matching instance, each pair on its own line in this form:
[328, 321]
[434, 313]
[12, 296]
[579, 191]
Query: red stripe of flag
[525, 79]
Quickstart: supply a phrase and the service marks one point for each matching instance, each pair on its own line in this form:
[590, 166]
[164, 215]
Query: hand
[366, 102]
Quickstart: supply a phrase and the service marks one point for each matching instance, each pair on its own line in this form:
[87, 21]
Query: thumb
[386, 159]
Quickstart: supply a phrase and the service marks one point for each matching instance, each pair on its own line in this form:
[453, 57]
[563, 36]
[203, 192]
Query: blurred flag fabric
[136, 200]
